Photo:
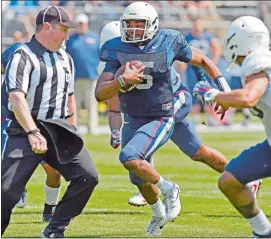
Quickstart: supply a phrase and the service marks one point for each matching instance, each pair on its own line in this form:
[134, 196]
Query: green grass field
[205, 212]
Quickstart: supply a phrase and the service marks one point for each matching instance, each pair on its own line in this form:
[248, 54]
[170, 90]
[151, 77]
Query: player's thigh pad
[147, 139]
[252, 164]
[130, 126]
[186, 138]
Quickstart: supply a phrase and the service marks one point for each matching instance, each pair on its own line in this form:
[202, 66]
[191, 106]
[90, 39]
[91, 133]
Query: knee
[136, 180]
[227, 183]
[53, 174]
[91, 179]
[94, 179]
[202, 154]
[129, 154]
[132, 165]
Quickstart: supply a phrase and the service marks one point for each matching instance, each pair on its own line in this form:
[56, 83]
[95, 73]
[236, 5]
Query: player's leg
[188, 141]
[52, 189]
[158, 209]
[251, 164]
[145, 142]
[137, 199]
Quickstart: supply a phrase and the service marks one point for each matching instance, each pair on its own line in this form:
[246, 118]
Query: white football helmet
[245, 35]
[110, 31]
[139, 11]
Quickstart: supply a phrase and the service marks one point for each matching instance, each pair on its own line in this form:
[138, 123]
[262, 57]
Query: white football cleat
[254, 186]
[137, 200]
[172, 202]
[156, 225]
[22, 201]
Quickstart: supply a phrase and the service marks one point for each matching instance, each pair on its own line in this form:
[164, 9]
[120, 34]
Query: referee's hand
[38, 143]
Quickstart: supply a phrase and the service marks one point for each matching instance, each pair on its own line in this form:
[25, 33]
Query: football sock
[158, 209]
[260, 223]
[51, 195]
[164, 185]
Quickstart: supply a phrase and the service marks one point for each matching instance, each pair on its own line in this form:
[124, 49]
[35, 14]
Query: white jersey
[254, 63]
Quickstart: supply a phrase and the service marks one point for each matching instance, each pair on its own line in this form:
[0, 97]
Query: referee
[42, 112]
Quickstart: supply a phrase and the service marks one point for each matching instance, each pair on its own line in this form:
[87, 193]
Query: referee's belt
[62, 140]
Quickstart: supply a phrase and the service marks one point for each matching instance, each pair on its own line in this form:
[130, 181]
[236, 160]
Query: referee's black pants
[18, 164]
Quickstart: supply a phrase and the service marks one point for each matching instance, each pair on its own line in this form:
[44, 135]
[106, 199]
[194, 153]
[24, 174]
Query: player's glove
[204, 92]
[115, 140]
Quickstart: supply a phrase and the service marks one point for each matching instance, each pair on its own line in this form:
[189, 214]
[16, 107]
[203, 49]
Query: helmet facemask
[129, 34]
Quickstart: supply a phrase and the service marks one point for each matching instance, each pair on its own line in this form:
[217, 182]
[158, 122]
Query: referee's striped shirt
[46, 78]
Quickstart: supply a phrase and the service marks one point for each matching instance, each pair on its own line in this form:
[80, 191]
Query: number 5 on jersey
[148, 79]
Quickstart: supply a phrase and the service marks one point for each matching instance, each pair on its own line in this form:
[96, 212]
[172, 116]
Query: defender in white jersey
[254, 57]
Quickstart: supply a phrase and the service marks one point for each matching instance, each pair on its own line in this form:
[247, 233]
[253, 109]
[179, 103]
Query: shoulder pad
[256, 62]
[109, 48]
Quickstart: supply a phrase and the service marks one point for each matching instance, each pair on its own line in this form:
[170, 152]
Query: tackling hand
[115, 140]
[204, 92]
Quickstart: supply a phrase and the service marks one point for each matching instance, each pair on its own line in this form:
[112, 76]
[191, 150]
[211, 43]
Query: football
[120, 71]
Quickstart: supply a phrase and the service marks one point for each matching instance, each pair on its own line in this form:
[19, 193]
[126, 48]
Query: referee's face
[58, 35]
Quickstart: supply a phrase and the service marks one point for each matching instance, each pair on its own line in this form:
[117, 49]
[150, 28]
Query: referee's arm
[72, 111]
[71, 99]
[17, 80]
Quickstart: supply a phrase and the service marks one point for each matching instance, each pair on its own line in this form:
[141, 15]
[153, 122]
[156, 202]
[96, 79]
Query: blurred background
[204, 23]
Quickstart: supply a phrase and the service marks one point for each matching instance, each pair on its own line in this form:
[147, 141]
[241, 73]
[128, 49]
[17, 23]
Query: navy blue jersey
[154, 97]
[5, 56]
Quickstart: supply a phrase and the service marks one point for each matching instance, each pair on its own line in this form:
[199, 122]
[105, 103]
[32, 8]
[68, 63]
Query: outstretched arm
[114, 114]
[247, 97]
[115, 121]
[200, 59]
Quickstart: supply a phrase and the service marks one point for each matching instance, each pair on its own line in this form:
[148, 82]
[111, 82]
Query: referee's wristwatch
[33, 131]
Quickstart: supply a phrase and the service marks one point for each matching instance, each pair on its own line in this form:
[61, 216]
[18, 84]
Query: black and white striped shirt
[46, 78]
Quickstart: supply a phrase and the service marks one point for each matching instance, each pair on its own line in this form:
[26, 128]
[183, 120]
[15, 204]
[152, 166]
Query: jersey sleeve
[181, 49]
[18, 72]
[4, 59]
[5, 56]
[109, 57]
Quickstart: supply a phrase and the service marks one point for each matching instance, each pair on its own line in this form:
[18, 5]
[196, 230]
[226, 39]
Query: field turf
[205, 211]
